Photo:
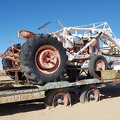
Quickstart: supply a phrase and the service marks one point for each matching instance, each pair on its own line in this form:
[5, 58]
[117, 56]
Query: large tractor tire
[9, 64]
[97, 63]
[43, 59]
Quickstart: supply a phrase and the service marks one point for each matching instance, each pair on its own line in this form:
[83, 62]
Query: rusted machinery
[70, 51]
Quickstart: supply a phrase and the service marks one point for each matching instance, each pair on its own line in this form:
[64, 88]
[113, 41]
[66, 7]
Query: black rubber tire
[92, 64]
[83, 98]
[48, 102]
[8, 64]
[28, 63]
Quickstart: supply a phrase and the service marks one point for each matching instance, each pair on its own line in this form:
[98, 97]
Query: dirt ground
[106, 109]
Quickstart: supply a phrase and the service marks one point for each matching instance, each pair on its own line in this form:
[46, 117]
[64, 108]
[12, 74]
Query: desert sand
[108, 108]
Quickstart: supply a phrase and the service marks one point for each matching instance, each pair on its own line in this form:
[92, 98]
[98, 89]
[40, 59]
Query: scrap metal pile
[46, 58]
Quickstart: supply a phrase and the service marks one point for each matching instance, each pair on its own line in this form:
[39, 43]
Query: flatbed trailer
[55, 93]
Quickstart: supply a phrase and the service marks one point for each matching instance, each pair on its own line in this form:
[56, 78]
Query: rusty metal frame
[38, 92]
[14, 57]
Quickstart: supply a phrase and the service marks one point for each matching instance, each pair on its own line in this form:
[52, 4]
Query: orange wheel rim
[100, 65]
[60, 99]
[47, 59]
[92, 95]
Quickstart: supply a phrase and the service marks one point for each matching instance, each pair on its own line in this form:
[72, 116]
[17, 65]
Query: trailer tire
[88, 94]
[8, 64]
[97, 62]
[57, 97]
[43, 59]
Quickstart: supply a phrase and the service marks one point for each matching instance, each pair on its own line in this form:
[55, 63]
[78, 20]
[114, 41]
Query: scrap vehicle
[70, 51]
[53, 65]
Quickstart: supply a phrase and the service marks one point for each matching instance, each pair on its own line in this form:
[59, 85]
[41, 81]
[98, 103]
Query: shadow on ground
[110, 92]
[20, 107]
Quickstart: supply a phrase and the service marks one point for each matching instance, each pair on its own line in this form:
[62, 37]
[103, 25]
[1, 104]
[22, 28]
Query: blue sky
[30, 14]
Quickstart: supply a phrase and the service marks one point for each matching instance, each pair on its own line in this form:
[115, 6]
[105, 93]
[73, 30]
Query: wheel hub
[92, 95]
[60, 99]
[100, 65]
[47, 59]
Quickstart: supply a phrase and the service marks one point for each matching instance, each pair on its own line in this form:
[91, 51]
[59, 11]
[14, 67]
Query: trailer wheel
[57, 97]
[43, 59]
[10, 64]
[97, 63]
[89, 94]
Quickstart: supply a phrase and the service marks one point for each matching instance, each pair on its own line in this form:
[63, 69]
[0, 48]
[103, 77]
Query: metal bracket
[16, 78]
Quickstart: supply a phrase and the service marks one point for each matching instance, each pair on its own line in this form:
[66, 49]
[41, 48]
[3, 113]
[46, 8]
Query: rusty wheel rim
[92, 95]
[100, 65]
[47, 59]
[60, 99]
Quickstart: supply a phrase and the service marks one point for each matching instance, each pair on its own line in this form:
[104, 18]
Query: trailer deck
[10, 92]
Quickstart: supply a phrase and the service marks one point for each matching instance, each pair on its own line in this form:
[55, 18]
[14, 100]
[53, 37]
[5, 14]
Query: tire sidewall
[92, 64]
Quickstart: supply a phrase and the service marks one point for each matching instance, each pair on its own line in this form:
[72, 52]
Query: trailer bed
[10, 92]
